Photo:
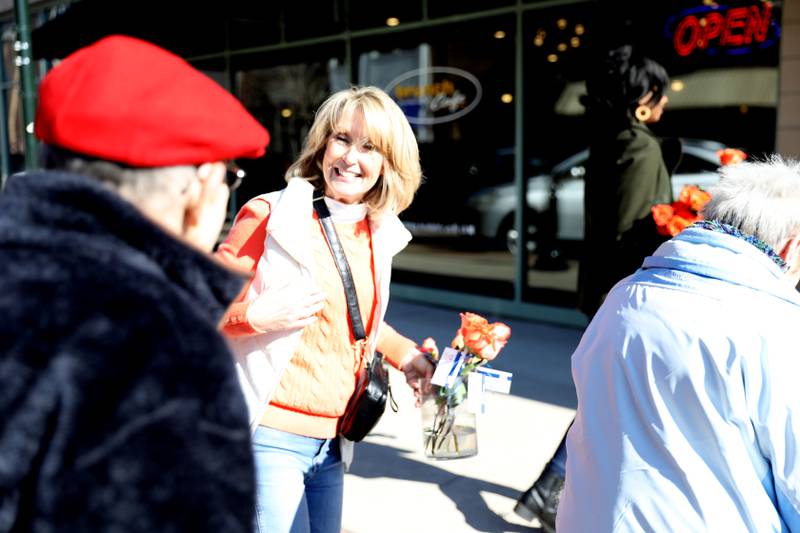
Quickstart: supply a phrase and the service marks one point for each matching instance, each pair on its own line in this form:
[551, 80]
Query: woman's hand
[416, 368]
[282, 308]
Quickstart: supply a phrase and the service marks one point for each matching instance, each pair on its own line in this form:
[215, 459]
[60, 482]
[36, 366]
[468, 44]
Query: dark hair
[616, 83]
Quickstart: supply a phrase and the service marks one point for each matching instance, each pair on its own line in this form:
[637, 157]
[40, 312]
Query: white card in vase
[448, 367]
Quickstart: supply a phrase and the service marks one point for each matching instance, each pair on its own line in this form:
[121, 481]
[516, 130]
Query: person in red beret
[120, 403]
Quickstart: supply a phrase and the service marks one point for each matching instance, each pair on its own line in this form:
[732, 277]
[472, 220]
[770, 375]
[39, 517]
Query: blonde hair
[388, 130]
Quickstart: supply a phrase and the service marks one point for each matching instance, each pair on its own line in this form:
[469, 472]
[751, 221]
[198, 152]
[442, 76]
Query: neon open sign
[723, 29]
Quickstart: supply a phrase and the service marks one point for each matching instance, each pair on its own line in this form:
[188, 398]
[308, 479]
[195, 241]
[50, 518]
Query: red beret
[129, 101]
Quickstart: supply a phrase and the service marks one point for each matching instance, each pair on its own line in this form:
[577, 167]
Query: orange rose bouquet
[449, 432]
[673, 218]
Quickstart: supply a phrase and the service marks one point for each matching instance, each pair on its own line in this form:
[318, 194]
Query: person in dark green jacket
[626, 175]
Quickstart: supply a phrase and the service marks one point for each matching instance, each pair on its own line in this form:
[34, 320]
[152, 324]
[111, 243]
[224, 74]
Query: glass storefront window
[451, 65]
[256, 24]
[444, 8]
[313, 18]
[456, 86]
[367, 14]
[557, 45]
[722, 60]
[284, 98]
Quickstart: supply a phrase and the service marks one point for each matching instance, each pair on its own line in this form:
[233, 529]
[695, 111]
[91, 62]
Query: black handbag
[368, 402]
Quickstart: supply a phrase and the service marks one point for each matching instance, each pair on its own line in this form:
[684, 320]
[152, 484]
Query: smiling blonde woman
[290, 330]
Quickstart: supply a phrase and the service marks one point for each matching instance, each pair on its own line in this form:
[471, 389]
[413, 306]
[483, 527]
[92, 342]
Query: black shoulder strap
[342, 265]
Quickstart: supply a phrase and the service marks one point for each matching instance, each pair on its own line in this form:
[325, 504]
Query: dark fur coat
[119, 404]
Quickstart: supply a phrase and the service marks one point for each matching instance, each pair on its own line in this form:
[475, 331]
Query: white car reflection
[494, 206]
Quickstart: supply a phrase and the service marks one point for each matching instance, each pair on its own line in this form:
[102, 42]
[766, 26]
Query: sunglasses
[233, 175]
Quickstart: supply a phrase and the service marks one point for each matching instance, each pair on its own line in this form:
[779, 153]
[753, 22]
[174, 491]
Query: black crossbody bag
[368, 402]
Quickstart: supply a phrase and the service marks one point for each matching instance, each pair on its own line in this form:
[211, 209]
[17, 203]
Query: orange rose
[673, 218]
[458, 341]
[500, 331]
[483, 345]
[471, 321]
[479, 337]
[679, 223]
[683, 210]
[694, 197]
[685, 194]
[699, 200]
[731, 156]
[661, 215]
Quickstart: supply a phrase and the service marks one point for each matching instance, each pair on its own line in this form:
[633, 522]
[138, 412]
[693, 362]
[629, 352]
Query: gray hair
[139, 185]
[760, 198]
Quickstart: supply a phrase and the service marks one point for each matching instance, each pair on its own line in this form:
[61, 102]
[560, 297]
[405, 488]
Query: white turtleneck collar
[342, 213]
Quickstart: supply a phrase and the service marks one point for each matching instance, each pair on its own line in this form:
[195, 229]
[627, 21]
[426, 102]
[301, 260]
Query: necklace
[720, 227]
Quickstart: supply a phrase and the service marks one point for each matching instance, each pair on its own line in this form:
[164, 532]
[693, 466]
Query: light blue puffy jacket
[688, 382]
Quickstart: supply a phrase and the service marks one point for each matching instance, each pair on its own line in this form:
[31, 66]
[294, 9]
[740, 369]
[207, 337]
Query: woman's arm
[404, 354]
[280, 307]
[643, 181]
[395, 347]
[241, 250]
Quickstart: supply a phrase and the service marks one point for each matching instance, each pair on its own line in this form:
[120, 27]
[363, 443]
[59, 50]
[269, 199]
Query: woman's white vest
[261, 359]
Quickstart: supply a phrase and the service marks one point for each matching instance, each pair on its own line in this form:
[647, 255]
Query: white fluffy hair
[760, 198]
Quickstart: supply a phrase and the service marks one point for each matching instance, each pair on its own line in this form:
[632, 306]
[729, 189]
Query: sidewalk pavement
[391, 487]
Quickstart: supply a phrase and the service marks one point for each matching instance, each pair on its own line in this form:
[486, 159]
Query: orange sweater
[314, 389]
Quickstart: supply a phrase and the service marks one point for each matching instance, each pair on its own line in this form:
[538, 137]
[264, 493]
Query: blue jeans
[558, 463]
[299, 483]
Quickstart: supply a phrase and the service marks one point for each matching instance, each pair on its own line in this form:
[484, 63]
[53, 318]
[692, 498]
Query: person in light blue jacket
[688, 377]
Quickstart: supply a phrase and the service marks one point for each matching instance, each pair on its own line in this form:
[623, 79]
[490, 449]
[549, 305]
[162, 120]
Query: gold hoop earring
[643, 113]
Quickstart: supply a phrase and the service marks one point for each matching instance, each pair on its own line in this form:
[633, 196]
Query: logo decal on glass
[434, 95]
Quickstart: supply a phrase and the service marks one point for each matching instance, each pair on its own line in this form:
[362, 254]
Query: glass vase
[449, 428]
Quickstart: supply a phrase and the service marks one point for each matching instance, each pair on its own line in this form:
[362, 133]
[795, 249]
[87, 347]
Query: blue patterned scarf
[716, 225]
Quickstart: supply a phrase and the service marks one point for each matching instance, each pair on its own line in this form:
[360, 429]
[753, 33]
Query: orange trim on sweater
[241, 250]
[314, 390]
[321, 375]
